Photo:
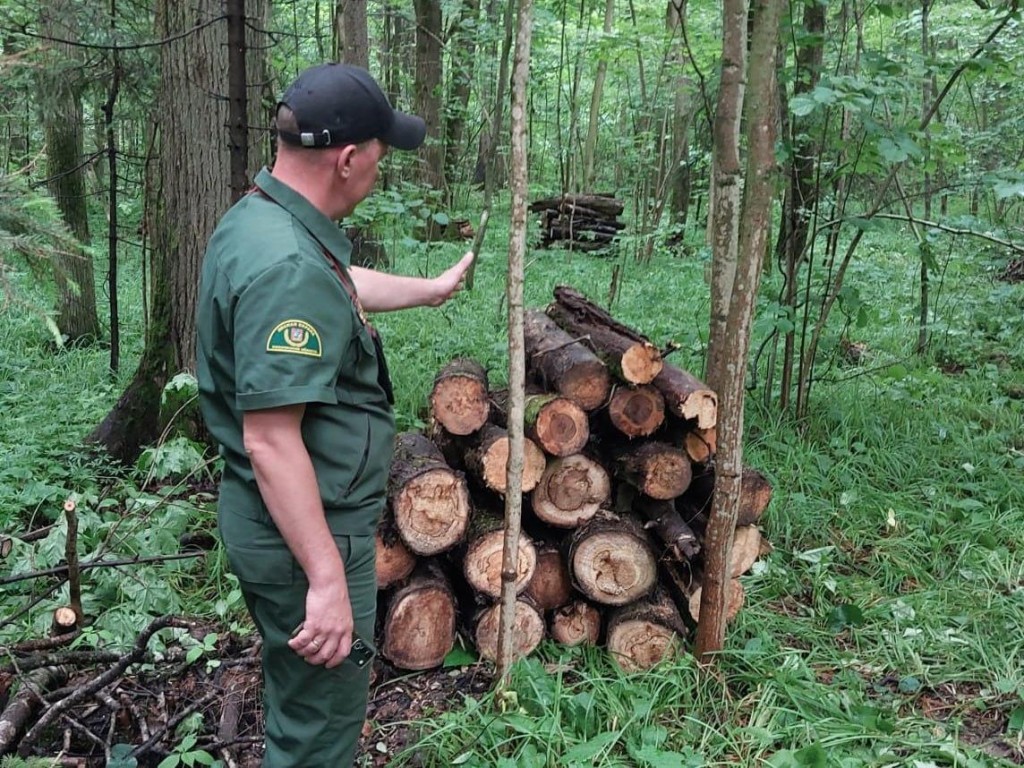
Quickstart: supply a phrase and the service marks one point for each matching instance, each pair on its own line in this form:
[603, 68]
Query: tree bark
[428, 89]
[590, 145]
[687, 397]
[352, 44]
[462, 39]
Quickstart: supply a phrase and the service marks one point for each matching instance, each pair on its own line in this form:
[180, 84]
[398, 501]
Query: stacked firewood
[583, 222]
[617, 482]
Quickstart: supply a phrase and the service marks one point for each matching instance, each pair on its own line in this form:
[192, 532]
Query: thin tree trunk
[61, 106]
[352, 44]
[428, 89]
[590, 146]
[754, 226]
[463, 44]
[516, 346]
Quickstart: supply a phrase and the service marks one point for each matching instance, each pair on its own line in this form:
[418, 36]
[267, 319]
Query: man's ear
[344, 160]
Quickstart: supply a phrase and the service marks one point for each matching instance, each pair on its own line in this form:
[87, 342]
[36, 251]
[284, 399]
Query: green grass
[885, 629]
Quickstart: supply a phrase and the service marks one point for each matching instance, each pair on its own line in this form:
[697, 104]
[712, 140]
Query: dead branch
[60, 570]
[20, 708]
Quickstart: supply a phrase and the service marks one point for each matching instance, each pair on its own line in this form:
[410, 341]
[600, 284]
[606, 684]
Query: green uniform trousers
[314, 716]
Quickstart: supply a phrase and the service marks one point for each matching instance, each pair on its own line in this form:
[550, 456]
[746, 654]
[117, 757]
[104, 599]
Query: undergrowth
[885, 629]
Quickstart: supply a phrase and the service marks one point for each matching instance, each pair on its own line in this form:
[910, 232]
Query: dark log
[527, 630]
[687, 397]
[429, 499]
[458, 399]
[564, 364]
[394, 560]
[551, 585]
[419, 625]
[481, 563]
[611, 560]
[636, 411]
[606, 204]
[486, 459]
[679, 539]
[634, 358]
[578, 233]
[575, 623]
[645, 633]
[657, 469]
[570, 491]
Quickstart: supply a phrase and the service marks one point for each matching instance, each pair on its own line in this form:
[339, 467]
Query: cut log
[607, 205]
[527, 630]
[755, 495]
[645, 633]
[570, 491]
[746, 549]
[687, 397]
[735, 596]
[555, 423]
[429, 499]
[564, 364]
[575, 623]
[679, 539]
[419, 625]
[458, 399]
[657, 469]
[64, 621]
[486, 459]
[634, 358]
[636, 411]
[482, 561]
[611, 560]
[394, 560]
[6, 545]
[551, 586]
[701, 445]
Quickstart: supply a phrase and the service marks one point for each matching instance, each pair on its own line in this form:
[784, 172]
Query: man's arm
[381, 292]
[287, 483]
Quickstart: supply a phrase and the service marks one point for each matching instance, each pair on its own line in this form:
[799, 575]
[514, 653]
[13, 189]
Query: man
[294, 387]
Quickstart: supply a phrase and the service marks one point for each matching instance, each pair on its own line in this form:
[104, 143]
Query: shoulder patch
[295, 337]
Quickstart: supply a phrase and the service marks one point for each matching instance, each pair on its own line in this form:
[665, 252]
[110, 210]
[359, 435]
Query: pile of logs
[617, 483]
[583, 222]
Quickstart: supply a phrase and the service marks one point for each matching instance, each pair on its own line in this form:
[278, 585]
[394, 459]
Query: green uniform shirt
[276, 327]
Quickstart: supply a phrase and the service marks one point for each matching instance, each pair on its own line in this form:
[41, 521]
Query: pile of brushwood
[617, 482]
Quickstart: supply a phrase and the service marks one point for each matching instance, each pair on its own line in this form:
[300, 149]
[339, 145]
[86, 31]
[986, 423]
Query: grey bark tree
[428, 89]
[62, 84]
[753, 224]
[351, 42]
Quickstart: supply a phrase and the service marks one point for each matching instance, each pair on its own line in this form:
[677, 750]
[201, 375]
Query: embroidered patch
[296, 337]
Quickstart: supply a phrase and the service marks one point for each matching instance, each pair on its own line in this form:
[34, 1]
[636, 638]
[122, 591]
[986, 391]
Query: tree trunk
[611, 560]
[61, 106]
[679, 183]
[590, 145]
[429, 499]
[420, 621]
[428, 89]
[731, 359]
[462, 42]
[183, 210]
[352, 44]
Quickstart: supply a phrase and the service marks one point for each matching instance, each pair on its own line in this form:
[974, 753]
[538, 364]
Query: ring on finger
[316, 643]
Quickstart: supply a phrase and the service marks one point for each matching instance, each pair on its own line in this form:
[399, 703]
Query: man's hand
[451, 281]
[325, 637]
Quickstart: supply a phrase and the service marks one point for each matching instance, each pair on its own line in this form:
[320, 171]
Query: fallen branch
[20, 708]
[173, 723]
[61, 570]
[69, 658]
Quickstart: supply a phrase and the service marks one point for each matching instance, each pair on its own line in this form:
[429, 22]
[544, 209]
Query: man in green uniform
[294, 387]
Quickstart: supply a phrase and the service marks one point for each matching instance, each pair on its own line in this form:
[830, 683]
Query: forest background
[884, 381]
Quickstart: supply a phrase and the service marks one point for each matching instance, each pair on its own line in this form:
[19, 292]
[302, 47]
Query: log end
[419, 629]
[641, 363]
[394, 562]
[527, 631]
[495, 465]
[571, 491]
[432, 511]
[576, 623]
[735, 596]
[482, 564]
[640, 644]
[613, 567]
[561, 428]
[460, 404]
[702, 407]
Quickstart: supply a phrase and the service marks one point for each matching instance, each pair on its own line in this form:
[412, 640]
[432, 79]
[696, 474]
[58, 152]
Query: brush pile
[580, 222]
[617, 483]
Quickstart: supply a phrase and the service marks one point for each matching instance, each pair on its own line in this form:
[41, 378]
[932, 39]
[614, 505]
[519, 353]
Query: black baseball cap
[339, 104]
